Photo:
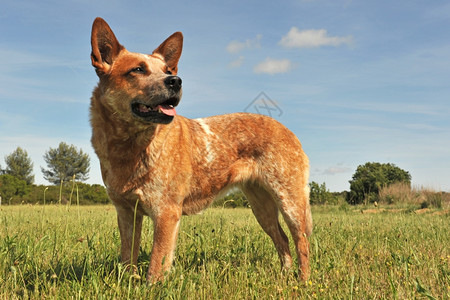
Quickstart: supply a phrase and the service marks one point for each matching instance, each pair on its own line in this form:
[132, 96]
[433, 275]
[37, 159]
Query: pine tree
[65, 163]
[19, 165]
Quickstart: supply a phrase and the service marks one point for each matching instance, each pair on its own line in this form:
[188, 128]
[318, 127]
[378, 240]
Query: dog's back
[236, 149]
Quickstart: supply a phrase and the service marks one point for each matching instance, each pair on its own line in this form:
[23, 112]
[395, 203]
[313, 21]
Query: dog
[162, 165]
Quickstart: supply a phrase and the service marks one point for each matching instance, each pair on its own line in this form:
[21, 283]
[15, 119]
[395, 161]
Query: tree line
[68, 167]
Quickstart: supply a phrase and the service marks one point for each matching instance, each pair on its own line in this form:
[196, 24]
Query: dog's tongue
[168, 110]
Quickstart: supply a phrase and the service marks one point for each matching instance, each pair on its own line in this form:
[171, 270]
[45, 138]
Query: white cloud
[336, 170]
[237, 46]
[312, 38]
[237, 63]
[273, 66]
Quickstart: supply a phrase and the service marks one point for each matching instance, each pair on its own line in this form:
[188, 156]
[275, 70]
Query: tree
[19, 165]
[65, 163]
[319, 194]
[371, 177]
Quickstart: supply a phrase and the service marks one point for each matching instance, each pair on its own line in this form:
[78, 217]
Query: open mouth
[160, 113]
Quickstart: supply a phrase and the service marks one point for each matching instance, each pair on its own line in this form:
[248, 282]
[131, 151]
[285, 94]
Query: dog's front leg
[130, 225]
[166, 226]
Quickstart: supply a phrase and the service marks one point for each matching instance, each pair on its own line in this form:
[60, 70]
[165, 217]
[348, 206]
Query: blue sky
[356, 81]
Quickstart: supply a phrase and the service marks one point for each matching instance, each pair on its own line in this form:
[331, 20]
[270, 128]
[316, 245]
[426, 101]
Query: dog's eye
[169, 72]
[138, 70]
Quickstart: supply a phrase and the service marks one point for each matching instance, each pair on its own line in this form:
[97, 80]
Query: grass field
[72, 253]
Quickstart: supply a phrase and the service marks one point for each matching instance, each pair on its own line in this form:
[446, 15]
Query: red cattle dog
[157, 163]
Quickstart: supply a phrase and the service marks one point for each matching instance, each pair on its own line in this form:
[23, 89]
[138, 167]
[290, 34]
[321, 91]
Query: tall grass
[223, 254]
[401, 193]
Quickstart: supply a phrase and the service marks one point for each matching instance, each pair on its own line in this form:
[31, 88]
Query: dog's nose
[173, 82]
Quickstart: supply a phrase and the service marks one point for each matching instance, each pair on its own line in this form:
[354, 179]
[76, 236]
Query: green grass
[60, 253]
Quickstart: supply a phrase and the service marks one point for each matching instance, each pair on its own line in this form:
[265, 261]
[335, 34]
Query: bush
[12, 189]
[233, 199]
[319, 194]
[92, 194]
[401, 193]
[431, 199]
[15, 191]
[397, 193]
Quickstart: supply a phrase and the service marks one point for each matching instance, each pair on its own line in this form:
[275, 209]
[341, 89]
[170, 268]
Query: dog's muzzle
[163, 111]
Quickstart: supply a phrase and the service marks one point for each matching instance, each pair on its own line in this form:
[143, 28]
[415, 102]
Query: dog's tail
[309, 221]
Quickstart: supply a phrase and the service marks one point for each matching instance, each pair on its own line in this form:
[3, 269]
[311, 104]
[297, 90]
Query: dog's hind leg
[296, 212]
[266, 213]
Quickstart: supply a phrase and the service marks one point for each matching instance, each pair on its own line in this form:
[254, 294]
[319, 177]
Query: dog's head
[137, 86]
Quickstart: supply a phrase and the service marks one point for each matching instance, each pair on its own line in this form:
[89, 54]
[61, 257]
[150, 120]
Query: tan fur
[180, 167]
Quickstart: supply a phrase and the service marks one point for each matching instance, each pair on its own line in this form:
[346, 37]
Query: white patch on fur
[207, 138]
[204, 126]
[287, 259]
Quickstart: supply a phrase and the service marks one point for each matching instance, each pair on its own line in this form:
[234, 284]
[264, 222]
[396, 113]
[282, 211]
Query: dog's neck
[118, 143]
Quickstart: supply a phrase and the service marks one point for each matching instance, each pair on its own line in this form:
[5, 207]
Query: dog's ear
[170, 50]
[105, 46]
